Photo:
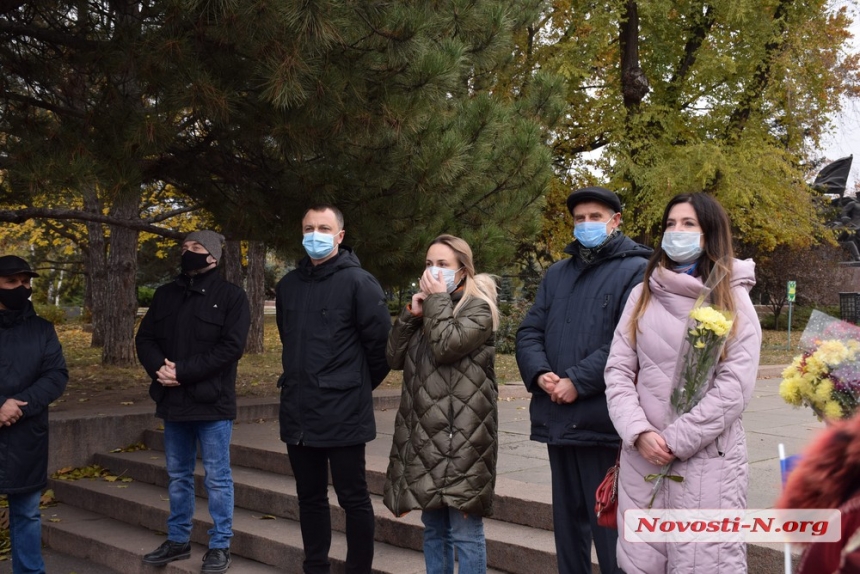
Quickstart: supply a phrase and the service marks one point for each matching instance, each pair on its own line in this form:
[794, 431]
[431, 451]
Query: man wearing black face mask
[32, 375]
[190, 342]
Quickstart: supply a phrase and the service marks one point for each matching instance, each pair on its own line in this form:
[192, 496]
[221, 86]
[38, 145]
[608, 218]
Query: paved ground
[768, 422]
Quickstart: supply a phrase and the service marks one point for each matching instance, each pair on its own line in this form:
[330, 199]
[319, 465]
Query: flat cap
[595, 193]
[14, 265]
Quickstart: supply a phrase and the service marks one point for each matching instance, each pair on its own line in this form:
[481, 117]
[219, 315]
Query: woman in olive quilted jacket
[443, 457]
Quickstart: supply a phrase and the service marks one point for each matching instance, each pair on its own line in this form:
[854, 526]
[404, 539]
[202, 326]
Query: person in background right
[828, 476]
[707, 445]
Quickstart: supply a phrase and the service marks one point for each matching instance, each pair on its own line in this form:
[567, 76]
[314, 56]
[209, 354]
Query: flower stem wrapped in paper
[826, 376]
[708, 329]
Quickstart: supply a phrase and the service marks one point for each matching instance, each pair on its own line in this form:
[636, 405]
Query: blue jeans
[448, 528]
[180, 450]
[25, 531]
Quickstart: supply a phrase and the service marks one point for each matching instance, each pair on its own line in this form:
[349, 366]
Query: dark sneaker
[168, 552]
[216, 560]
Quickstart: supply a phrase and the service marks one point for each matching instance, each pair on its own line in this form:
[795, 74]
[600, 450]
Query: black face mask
[15, 299]
[193, 261]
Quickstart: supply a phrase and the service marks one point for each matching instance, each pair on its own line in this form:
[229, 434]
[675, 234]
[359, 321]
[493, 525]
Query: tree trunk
[256, 295]
[96, 261]
[634, 84]
[231, 264]
[120, 302]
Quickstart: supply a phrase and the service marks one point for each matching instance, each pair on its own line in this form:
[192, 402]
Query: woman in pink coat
[706, 446]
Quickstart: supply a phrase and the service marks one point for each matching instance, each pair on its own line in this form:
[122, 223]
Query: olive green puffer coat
[445, 434]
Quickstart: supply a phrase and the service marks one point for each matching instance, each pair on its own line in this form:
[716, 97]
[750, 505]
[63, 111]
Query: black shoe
[168, 552]
[216, 560]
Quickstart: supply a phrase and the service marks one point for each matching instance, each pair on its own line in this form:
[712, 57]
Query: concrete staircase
[115, 523]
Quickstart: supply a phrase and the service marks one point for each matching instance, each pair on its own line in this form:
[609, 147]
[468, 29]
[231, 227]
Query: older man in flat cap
[562, 346]
[190, 342]
[32, 375]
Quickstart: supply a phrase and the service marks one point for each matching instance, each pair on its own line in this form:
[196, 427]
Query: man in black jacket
[32, 375]
[562, 346]
[334, 324]
[189, 342]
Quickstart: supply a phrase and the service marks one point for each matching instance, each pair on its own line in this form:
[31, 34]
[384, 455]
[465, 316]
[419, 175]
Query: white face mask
[448, 275]
[682, 246]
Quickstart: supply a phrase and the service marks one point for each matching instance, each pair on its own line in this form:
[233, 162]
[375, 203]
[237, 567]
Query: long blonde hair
[481, 286]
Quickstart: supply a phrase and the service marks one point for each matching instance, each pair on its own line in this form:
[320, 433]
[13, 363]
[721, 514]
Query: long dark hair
[717, 254]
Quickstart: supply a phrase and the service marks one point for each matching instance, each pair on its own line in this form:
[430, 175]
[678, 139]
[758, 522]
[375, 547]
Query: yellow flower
[832, 410]
[815, 366]
[712, 320]
[822, 393]
[833, 352]
[700, 345]
[790, 392]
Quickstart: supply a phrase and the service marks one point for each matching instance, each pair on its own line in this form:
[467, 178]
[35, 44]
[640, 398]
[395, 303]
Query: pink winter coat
[709, 441]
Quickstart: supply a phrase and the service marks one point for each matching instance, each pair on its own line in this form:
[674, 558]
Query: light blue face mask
[447, 274]
[591, 233]
[682, 246]
[318, 245]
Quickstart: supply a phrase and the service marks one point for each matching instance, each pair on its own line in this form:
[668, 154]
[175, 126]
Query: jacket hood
[673, 289]
[668, 281]
[620, 246]
[345, 258]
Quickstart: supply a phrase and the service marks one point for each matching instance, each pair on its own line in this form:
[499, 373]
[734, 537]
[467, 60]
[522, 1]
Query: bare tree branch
[22, 215]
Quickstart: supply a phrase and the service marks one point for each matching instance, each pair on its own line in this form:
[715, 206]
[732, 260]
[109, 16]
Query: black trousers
[576, 474]
[310, 468]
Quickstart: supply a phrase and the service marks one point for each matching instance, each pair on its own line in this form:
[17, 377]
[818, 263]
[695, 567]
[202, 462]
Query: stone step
[257, 445]
[259, 536]
[102, 540]
[510, 547]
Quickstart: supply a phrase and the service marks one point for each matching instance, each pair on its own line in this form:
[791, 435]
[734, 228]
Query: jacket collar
[345, 258]
[10, 318]
[618, 246]
[197, 283]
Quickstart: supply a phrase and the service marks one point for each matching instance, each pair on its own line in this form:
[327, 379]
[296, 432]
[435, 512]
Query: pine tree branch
[60, 110]
[168, 214]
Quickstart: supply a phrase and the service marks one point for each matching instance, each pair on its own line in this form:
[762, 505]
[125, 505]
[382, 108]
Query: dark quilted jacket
[445, 435]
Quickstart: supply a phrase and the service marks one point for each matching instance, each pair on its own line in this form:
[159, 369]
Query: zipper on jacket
[301, 357]
[605, 301]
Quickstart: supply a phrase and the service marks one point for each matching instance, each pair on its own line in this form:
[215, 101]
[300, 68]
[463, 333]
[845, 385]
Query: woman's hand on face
[654, 449]
[418, 303]
[430, 284]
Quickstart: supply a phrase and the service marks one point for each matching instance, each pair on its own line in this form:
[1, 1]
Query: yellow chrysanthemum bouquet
[708, 329]
[826, 376]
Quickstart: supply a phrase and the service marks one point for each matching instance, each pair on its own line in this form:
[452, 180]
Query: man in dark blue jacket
[562, 346]
[32, 375]
[190, 342]
[334, 322]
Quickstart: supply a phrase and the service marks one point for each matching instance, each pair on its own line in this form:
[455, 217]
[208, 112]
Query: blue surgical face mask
[682, 246]
[591, 233]
[318, 245]
[447, 274]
